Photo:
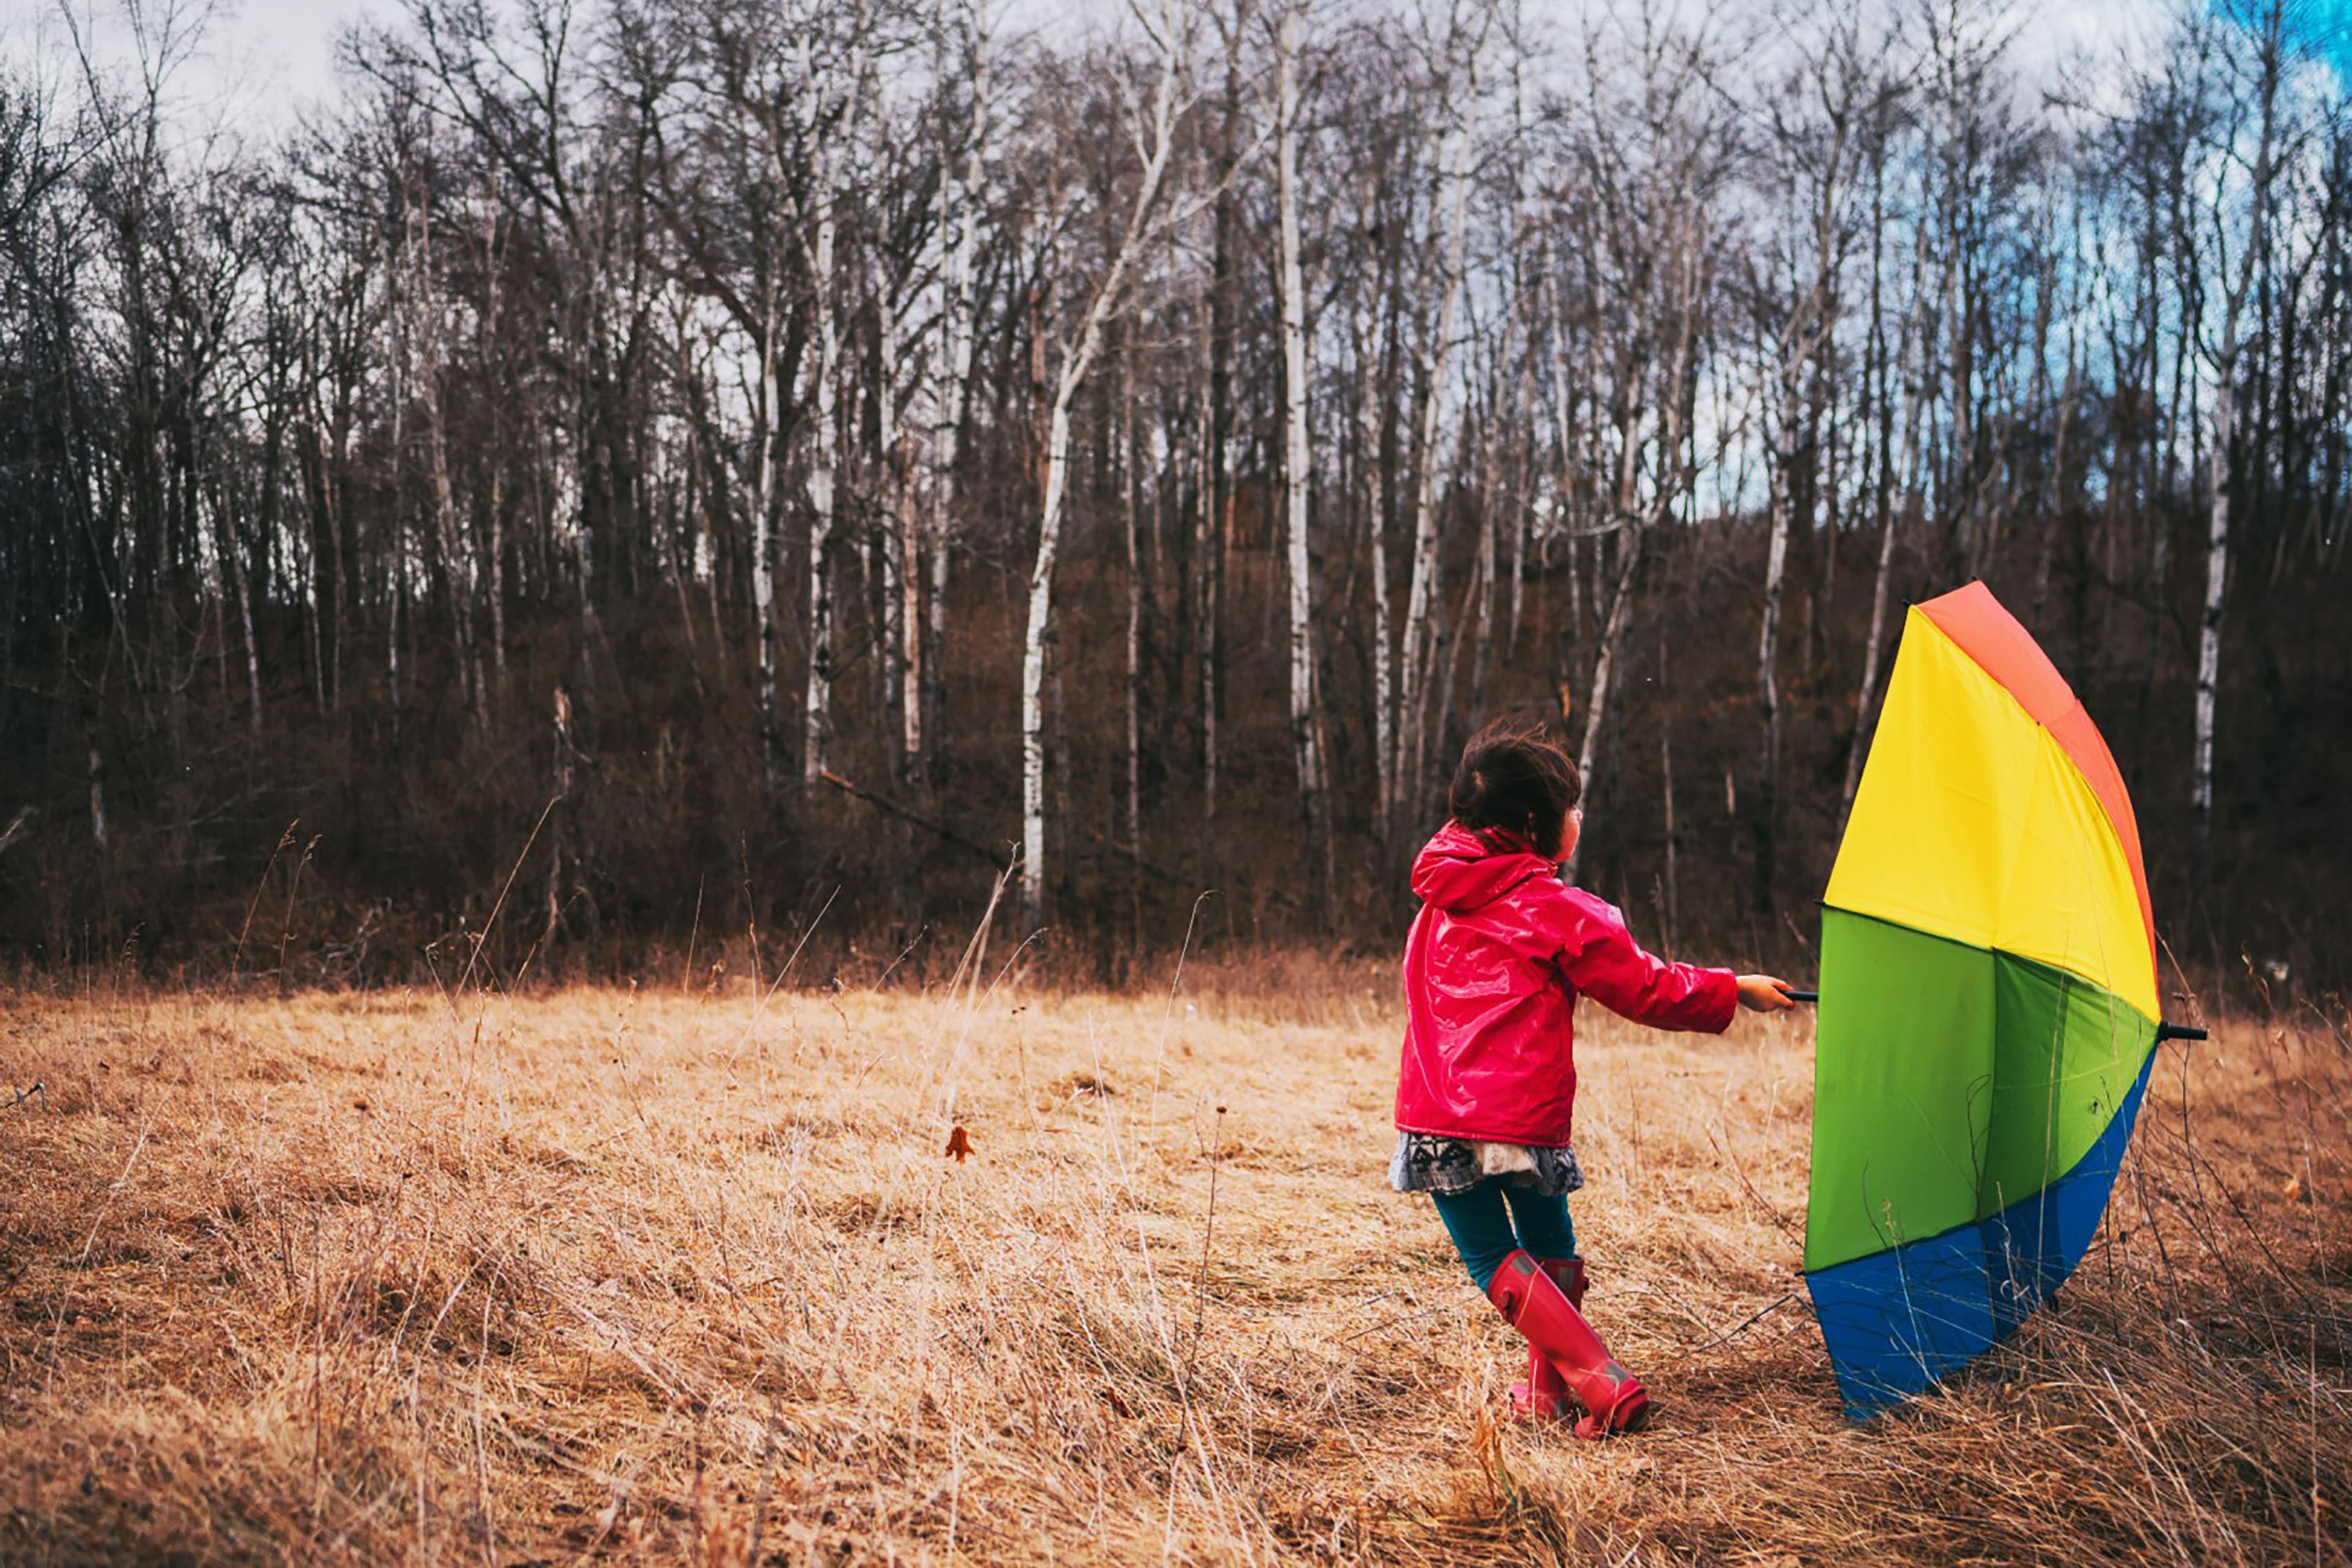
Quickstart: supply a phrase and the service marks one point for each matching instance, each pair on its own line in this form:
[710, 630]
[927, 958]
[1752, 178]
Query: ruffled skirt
[1425, 1163]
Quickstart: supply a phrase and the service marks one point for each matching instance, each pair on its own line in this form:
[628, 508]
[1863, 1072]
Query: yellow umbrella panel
[1988, 1007]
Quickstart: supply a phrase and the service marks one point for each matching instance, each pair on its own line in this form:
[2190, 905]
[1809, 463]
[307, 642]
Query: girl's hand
[1762, 993]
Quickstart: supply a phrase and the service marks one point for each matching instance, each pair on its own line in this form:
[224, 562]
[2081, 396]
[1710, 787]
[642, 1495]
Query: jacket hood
[1457, 871]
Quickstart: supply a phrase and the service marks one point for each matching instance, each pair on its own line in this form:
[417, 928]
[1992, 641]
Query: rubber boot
[1531, 1302]
[1567, 1273]
[1545, 1394]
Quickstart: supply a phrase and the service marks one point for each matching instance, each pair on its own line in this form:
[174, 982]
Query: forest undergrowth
[601, 1274]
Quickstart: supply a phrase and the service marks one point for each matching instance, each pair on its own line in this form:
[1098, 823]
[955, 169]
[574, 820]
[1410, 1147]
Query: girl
[1496, 959]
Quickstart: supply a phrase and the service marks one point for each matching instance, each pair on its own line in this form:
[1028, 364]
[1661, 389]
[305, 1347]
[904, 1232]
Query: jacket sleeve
[1602, 960]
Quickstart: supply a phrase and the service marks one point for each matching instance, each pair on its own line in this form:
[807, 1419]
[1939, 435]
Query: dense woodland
[647, 479]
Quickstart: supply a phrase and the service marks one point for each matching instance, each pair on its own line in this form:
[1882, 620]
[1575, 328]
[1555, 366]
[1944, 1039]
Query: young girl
[1496, 959]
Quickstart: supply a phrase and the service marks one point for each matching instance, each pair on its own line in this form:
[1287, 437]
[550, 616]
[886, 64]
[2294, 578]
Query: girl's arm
[1602, 960]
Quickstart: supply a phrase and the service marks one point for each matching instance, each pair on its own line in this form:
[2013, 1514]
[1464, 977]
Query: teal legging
[1495, 1218]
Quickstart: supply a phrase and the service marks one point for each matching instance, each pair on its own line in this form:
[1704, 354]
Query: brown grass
[613, 1274]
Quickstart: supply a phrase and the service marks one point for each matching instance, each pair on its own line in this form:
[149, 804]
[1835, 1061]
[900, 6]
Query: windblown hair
[1514, 779]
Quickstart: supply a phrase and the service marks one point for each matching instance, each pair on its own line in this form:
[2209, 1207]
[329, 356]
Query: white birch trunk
[1133, 706]
[928, 644]
[1424, 637]
[1297, 472]
[1870, 656]
[1208, 557]
[1883, 483]
[763, 542]
[1376, 529]
[496, 552]
[1768, 657]
[2217, 575]
[1609, 638]
[1634, 518]
[2224, 415]
[1154, 145]
[896, 528]
[1563, 434]
[457, 577]
[817, 708]
[98, 835]
[1491, 492]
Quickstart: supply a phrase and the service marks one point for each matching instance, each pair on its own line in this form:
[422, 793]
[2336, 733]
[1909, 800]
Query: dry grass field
[610, 1275]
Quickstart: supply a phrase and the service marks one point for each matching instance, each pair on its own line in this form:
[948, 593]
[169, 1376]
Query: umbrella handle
[1802, 996]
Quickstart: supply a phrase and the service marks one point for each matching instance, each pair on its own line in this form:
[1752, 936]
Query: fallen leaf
[2295, 1193]
[959, 1144]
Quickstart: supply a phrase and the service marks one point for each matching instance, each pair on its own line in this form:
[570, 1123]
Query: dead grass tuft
[607, 1275]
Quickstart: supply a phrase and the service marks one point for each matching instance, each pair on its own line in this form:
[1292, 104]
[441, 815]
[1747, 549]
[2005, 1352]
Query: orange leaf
[959, 1144]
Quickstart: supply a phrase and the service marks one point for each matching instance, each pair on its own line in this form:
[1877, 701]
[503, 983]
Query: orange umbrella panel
[1988, 1007]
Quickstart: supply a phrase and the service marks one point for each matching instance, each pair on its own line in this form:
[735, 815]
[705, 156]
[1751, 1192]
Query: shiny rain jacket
[1496, 960]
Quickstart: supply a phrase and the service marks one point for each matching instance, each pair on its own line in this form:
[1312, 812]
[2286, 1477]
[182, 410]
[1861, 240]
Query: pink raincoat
[1496, 959]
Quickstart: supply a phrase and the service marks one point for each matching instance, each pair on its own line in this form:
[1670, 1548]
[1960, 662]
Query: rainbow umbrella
[1988, 1008]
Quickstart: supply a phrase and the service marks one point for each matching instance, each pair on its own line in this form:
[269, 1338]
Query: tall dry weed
[622, 1275]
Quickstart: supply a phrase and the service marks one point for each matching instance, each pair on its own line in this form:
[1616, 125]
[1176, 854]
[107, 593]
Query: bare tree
[1654, 172]
[1153, 118]
[1297, 469]
[952, 392]
[539, 352]
[2243, 142]
[1455, 59]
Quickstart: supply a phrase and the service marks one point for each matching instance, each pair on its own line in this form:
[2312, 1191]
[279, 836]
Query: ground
[679, 1274]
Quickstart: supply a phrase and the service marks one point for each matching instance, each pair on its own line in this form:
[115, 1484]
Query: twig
[1392, 1322]
[260, 887]
[1786, 1225]
[114, 1190]
[1753, 1318]
[512, 871]
[293, 887]
[903, 953]
[691, 937]
[1208, 1240]
[906, 814]
[785, 973]
[25, 1094]
[1127, 850]
[1185, 952]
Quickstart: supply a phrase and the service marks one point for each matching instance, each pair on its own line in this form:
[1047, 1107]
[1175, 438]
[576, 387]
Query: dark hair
[1516, 779]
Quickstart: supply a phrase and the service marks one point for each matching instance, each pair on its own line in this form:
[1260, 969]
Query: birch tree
[1296, 470]
[1153, 135]
[756, 351]
[1879, 402]
[1425, 635]
[832, 89]
[951, 394]
[1796, 304]
[1654, 173]
[2236, 220]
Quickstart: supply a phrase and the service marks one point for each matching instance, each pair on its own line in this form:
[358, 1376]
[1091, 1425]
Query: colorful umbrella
[1989, 1007]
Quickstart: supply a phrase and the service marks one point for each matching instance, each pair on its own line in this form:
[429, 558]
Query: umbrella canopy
[1989, 1007]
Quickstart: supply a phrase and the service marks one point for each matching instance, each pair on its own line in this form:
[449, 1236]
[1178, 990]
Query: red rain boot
[1567, 1273]
[1544, 1393]
[1531, 1302]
